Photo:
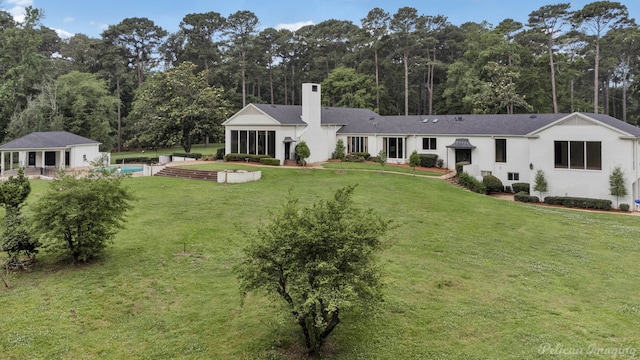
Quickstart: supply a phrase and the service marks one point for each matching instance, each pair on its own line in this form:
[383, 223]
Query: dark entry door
[32, 159]
[463, 155]
[287, 151]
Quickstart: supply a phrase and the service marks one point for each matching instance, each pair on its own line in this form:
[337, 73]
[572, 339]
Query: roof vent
[533, 116]
[435, 121]
[457, 118]
[424, 121]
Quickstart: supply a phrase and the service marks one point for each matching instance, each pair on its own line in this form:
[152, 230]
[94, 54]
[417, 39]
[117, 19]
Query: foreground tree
[16, 239]
[617, 186]
[320, 259]
[79, 216]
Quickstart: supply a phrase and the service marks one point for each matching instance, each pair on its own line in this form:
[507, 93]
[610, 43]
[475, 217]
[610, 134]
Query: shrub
[363, 154]
[354, 158]
[472, 183]
[188, 155]
[339, 152]
[579, 202]
[245, 157]
[138, 160]
[520, 187]
[269, 161]
[524, 197]
[624, 207]
[460, 165]
[440, 163]
[492, 183]
[428, 160]
[220, 154]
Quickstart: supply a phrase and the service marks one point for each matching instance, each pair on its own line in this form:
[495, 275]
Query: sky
[91, 17]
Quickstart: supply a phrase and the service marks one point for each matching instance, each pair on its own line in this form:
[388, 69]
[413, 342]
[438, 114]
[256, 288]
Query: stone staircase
[177, 172]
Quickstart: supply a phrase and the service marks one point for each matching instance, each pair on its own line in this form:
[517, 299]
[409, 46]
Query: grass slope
[468, 277]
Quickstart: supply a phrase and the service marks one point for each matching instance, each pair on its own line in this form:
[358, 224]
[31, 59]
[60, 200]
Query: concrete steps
[188, 174]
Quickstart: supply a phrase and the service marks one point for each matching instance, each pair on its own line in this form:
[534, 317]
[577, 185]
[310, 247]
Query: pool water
[125, 169]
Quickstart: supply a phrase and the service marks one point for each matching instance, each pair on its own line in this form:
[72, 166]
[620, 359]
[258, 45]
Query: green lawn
[468, 277]
[198, 148]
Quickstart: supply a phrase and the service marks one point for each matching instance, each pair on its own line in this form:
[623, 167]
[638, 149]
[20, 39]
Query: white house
[576, 151]
[51, 150]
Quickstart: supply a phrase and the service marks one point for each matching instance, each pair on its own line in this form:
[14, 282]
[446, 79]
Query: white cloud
[69, 19]
[294, 26]
[17, 11]
[63, 33]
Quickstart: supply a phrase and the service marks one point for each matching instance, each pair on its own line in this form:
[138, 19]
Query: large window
[394, 147]
[501, 150]
[256, 142]
[578, 155]
[357, 144]
[429, 143]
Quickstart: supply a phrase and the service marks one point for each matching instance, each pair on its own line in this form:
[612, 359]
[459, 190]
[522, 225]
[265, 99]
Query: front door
[31, 161]
[463, 155]
[287, 151]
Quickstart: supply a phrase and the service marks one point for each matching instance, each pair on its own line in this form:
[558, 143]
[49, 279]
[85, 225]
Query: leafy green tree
[346, 88]
[404, 25]
[320, 259]
[617, 186]
[302, 153]
[598, 17]
[414, 160]
[16, 239]
[242, 27]
[201, 31]
[540, 182]
[79, 216]
[376, 25]
[141, 37]
[548, 21]
[177, 107]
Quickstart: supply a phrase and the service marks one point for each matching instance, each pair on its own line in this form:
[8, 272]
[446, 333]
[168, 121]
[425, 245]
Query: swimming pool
[125, 169]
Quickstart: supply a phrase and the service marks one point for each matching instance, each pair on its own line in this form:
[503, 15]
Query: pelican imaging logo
[591, 350]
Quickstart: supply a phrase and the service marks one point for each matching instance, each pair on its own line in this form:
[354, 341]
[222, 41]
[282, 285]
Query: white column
[11, 160]
[61, 159]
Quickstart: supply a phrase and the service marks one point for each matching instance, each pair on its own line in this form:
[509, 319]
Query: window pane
[425, 143]
[433, 143]
[262, 145]
[501, 150]
[271, 143]
[576, 155]
[594, 155]
[252, 142]
[392, 153]
[234, 141]
[366, 144]
[243, 142]
[400, 154]
[561, 153]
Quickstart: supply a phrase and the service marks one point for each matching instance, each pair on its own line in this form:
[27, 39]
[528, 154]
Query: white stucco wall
[83, 155]
[584, 183]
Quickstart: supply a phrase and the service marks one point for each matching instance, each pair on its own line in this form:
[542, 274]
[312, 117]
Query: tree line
[141, 86]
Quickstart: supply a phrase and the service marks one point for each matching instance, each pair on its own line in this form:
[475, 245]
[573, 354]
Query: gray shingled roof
[499, 124]
[364, 121]
[47, 140]
[291, 114]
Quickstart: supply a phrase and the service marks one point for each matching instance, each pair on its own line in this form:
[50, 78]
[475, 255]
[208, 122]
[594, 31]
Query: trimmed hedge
[492, 183]
[244, 157]
[138, 160]
[270, 161]
[472, 183]
[428, 160]
[624, 207]
[524, 197]
[460, 165]
[188, 155]
[440, 163]
[579, 202]
[520, 187]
